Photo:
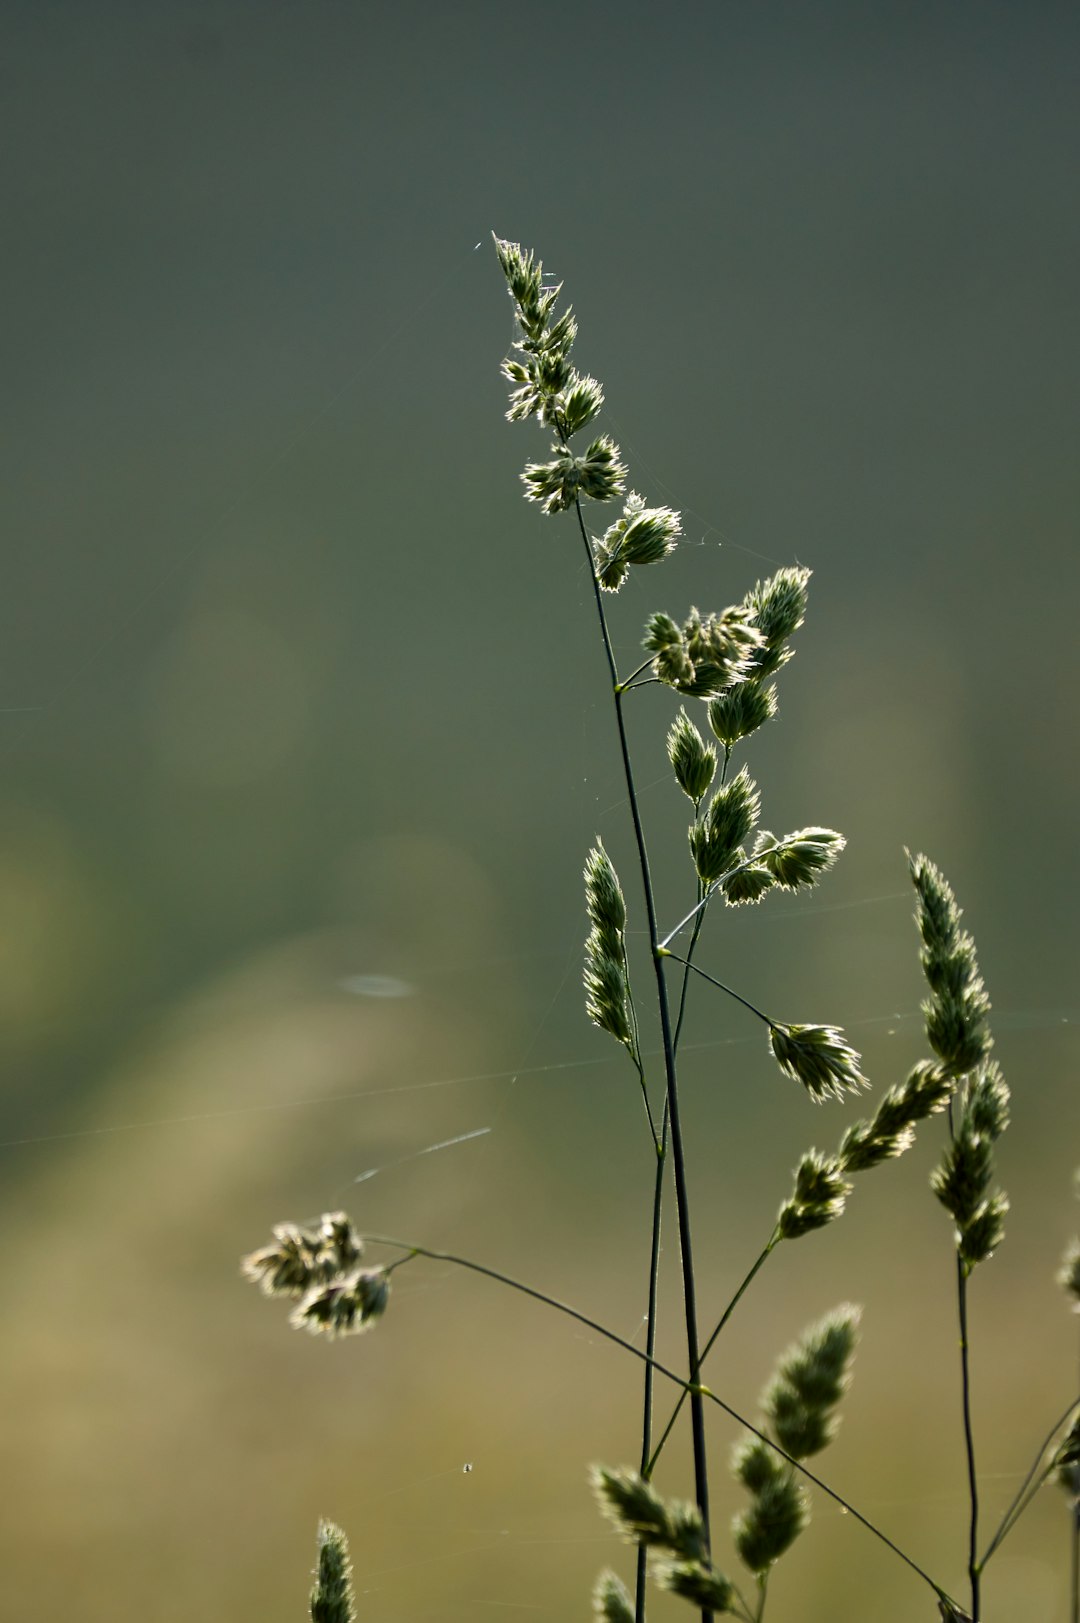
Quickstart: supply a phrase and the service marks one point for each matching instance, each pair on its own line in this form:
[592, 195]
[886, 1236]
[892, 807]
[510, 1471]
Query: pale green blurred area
[302, 707]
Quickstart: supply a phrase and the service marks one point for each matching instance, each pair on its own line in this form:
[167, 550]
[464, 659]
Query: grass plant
[720, 668]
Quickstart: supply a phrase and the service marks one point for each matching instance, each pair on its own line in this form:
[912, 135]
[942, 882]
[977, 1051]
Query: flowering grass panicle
[724, 660]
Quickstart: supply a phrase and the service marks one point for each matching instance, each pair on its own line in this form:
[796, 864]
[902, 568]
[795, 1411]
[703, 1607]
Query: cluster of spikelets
[799, 1405]
[956, 1012]
[607, 986]
[320, 1270]
[725, 659]
[958, 1030]
[819, 1057]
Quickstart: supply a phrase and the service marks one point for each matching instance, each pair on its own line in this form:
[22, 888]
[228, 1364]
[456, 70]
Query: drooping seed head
[801, 858]
[819, 1057]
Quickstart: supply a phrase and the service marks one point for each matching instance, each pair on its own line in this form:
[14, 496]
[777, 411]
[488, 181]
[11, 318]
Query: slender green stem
[644, 666]
[705, 1351]
[974, 1572]
[678, 1156]
[669, 938]
[719, 984]
[739, 867]
[635, 1054]
[1022, 1497]
[704, 891]
[661, 1369]
[698, 923]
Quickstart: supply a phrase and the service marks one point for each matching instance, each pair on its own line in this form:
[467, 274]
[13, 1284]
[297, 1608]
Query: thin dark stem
[705, 1351]
[1074, 1573]
[526, 1290]
[719, 984]
[650, 1348]
[678, 1156]
[969, 1438]
[661, 1369]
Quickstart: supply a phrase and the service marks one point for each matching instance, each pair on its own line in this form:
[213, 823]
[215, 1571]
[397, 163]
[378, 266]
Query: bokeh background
[305, 738]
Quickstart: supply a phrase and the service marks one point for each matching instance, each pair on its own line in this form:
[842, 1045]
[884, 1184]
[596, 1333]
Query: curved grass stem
[718, 984]
[1030, 1486]
[702, 1392]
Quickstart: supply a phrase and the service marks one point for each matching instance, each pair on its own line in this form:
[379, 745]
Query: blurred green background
[302, 707]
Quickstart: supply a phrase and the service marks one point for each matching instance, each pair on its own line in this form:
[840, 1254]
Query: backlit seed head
[729, 818]
[779, 604]
[604, 900]
[956, 1011]
[819, 1057]
[747, 882]
[606, 1001]
[801, 858]
[577, 404]
[693, 760]
[741, 711]
[706, 654]
[819, 1196]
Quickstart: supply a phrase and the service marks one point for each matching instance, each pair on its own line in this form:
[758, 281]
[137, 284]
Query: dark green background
[296, 689]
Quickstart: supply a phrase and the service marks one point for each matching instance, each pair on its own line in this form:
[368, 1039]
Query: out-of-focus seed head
[611, 1600]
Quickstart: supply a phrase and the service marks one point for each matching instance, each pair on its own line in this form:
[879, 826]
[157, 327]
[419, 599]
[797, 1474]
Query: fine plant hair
[720, 668]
